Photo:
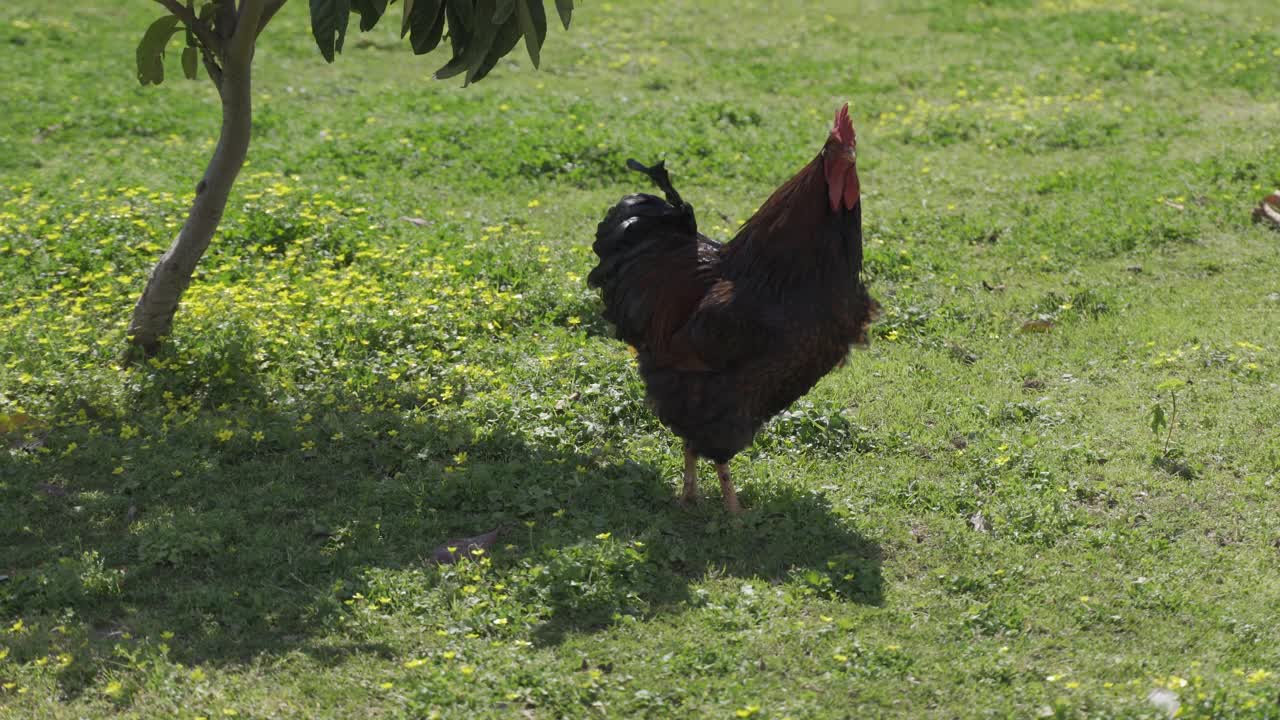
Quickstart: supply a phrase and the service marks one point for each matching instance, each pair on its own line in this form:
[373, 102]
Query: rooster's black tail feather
[650, 259]
[658, 174]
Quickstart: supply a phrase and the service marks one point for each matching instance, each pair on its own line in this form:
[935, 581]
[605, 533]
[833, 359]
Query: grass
[391, 344]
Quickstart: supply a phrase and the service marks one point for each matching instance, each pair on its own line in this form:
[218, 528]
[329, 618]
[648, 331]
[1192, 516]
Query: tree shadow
[787, 536]
[216, 548]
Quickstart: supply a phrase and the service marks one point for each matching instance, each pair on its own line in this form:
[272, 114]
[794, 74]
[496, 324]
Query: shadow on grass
[205, 547]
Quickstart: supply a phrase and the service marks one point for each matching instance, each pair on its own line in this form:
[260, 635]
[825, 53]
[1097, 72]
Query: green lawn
[391, 344]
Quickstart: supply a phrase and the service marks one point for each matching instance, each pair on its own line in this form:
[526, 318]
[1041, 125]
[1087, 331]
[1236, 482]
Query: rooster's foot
[690, 494]
[731, 504]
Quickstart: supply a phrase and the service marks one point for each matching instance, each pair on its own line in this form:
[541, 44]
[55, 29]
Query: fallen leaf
[919, 533]
[420, 222]
[52, 490]
[45, 132]
[1037, 326]
[1268, 210]
[17, 421]
[977, 522]
[962, 354]
[452, 550]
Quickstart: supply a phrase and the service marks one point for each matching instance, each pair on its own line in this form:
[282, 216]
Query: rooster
[728, 335]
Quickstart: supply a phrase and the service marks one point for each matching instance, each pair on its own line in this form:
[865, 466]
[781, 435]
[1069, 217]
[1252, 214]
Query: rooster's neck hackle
[794, 236]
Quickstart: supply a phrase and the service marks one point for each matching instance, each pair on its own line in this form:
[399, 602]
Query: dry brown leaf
[453, 550]
[977, 522]
[1037, 326]
[1268, 211]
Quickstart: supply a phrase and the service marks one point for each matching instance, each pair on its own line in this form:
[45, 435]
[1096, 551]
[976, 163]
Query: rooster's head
[840, 163]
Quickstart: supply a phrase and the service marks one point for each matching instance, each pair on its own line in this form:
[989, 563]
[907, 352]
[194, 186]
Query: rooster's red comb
[843, 130]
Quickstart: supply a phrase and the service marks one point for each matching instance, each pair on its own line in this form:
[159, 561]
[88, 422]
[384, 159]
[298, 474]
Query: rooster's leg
[690, 494]
[726, 487]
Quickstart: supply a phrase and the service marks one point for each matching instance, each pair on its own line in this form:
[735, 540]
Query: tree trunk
[153, 315]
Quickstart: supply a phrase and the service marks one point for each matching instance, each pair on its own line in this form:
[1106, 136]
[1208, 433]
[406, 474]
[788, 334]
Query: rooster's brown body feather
[729, 335]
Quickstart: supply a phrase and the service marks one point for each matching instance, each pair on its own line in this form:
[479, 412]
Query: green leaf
[426, 25]
[1157, 418]
[190, 61]
[506, 39]
[457, 27]
[476, 46]
[406, 10]
[565, 8]
[329, 25]
[150, 54]
[533, 23]
[465, 11]
[504, 11]
[371, 11]
[1170, 384]
[486, 37]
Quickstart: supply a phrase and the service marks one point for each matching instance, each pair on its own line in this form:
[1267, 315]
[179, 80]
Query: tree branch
[225, 13]
[245, 36]
[273, 7]
[212, 67]
[188, 18]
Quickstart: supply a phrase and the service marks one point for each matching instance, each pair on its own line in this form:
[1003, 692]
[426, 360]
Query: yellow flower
[1258, 676]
